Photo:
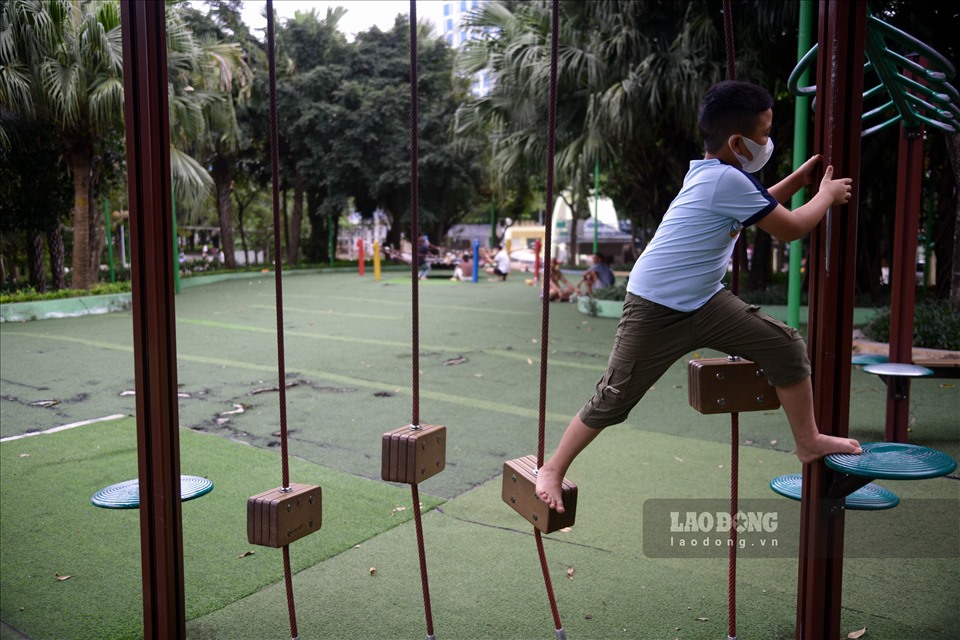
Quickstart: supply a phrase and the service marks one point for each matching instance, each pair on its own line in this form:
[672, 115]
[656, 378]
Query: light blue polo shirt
[684, 264]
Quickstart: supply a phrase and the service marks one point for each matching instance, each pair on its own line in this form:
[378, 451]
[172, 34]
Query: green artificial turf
[50, 528]
[485, 577]
[349, 364]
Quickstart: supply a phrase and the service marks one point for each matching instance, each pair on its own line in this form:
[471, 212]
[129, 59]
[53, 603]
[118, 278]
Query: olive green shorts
[651, 337]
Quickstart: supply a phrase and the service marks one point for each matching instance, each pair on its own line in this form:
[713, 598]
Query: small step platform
[862, 359]
[892, 461]
[869, 498]
[519, 493]
[126, 495]
[898, 370]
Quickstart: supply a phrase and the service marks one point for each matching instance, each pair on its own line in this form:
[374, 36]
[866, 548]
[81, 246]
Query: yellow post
[508, 246]
[376, 260]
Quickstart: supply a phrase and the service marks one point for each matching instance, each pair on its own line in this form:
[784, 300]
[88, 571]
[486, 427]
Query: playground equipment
[280, 516]
[519, 475]
[912, 87]
[126, 495]
[415, 452]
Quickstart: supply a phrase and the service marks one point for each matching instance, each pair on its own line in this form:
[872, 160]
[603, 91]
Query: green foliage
[936, 325]
[616, 292]
[30, 294]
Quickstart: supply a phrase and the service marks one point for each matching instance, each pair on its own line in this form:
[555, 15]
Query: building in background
[456, 34]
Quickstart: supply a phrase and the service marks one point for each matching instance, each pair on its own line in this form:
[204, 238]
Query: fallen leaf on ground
[947, 385]
[45, 403]
[24, 455]
[397, 509]
[702, 619]
[773, 443]
[570, 573]
[748, 442]
[678, 459]
[62, 578]
[238, 408]
[566, 530]
[454, 361]
[246, 553]
[373, 570]
[529, 360]
[853, 635]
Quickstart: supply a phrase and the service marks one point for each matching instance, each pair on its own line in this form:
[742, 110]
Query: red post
[154, 320]
[903, 277]
[842, 40]
[537, 246]
[360, 255]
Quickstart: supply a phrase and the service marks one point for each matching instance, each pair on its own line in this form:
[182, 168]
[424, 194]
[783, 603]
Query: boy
[676, 302]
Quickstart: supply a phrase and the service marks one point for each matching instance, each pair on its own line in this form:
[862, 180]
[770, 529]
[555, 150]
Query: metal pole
[493, 224]
[596, 204]
[476, 261]
[106, 223]
[801, 111]
[176, 245]
[149, 187]
[842, 41]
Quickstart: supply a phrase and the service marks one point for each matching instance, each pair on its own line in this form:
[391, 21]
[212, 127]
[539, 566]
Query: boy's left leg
[797, 401]
[730, 325]
[550, 476]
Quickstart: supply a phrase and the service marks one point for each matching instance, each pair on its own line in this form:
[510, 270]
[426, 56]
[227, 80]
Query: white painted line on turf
[72, 425]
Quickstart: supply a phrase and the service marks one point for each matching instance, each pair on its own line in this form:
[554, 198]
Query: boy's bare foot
[549, 488]
[823, 445]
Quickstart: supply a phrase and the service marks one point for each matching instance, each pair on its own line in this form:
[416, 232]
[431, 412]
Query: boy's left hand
[808, 167]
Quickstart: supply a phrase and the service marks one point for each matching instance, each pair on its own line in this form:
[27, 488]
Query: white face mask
[760, 155]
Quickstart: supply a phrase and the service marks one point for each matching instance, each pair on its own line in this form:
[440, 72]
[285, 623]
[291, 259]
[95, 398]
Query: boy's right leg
[550, 476]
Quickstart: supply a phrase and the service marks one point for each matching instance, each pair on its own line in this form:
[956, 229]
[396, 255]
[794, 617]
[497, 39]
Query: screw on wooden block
[721, 402]
[289, 506]
[513, 499]
[513, 477]
[720, 375]
[760, 399]
[760, 373]
[535, 517]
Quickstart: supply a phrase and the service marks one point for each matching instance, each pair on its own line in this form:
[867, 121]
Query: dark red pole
[360, 255]
[842, 33]
[903, 276]
[154, 330]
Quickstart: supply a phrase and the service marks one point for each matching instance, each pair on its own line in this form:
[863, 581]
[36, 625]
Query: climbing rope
[545, 303]
[278, 287]
[734, 417]
[415, 299]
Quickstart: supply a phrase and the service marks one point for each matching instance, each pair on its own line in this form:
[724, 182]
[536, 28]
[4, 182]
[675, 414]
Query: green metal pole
[493, 224]
[801, 115]
[596, 204]
[106, 223]
[176, 247]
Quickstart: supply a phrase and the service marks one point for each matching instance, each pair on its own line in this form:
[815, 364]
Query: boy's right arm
[787, 225]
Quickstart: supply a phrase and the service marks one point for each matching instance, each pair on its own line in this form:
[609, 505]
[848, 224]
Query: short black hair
[729, 108]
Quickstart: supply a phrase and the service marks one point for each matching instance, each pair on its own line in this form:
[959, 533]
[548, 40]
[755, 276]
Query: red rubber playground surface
[618, 572]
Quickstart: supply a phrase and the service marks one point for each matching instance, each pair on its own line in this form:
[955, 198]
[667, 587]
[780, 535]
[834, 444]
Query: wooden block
[720, 385]
[519, 492]
[275, 518]
[413, 454]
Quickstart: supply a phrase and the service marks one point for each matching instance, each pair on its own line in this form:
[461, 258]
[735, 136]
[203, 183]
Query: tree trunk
[953, 151]
[55, 245]
[222, 175]
[80, 261]
[243, 236]
[98, 238]
[38, 279]
[296, 223]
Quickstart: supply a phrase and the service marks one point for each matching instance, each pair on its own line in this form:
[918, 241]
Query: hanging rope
[734, 417]
[545, 304]
[415, 298]
[278, 287]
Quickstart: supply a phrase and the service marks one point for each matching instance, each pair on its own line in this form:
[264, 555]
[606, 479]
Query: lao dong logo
[721, 521]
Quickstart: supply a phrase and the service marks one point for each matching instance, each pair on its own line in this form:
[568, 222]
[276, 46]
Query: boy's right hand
[839, 190]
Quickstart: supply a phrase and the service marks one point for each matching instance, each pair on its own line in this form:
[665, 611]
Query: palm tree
[61, 66]
[631, 75]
